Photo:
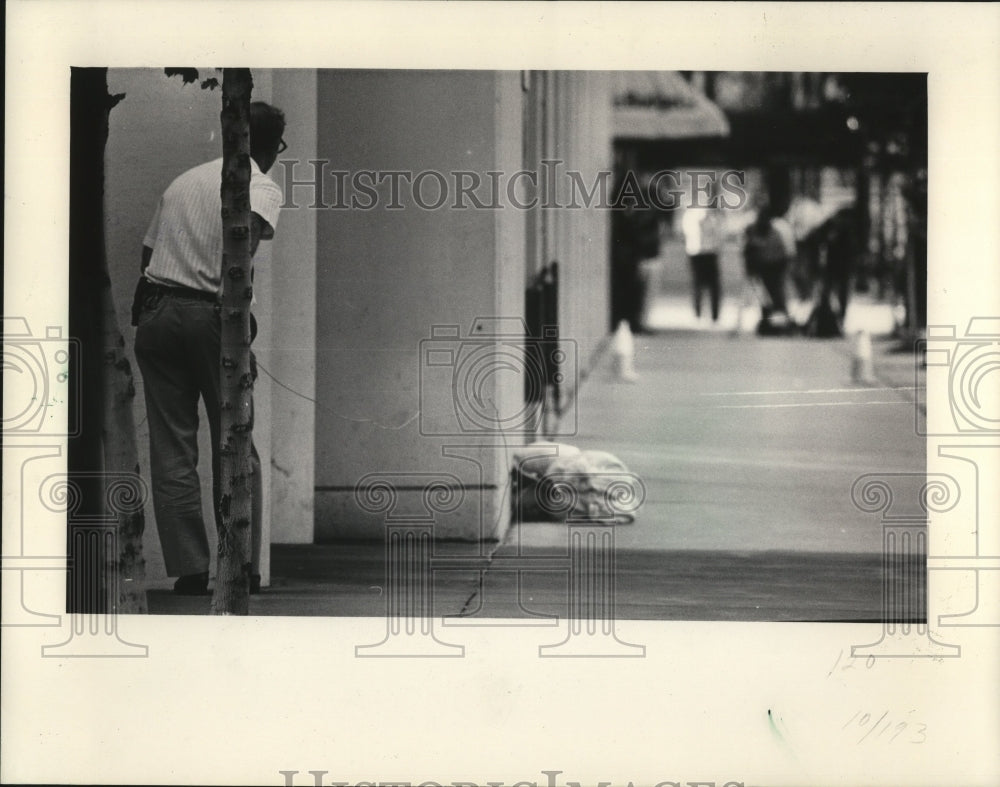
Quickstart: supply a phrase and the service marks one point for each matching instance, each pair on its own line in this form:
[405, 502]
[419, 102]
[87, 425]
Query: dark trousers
[705, 269]
[772, 276]
[837, 283]
[628, 294]
[177, 346]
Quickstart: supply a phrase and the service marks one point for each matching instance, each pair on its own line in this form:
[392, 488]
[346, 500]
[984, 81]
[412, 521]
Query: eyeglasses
[282, 146]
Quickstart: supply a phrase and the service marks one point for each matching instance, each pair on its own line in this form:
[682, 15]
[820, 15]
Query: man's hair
[267, 124]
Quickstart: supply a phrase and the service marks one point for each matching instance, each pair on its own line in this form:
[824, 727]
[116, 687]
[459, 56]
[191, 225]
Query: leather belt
[183, 292]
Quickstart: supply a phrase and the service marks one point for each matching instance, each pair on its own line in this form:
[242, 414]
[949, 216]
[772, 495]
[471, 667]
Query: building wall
[348, 300]
[569, 122]
[582, 239]
[387, 277]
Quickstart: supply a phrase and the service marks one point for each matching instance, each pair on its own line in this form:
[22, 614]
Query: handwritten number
[869, 663]
[883, 725]
[876, 725]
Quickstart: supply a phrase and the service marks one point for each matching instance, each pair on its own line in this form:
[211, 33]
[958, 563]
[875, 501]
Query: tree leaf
[189, 75]
[210, 84]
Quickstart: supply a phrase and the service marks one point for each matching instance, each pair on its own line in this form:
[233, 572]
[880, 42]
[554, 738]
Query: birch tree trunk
[232, 582]
[121, 455]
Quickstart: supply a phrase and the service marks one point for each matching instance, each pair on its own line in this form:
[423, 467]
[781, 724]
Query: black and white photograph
[636, 420]
[676, 311]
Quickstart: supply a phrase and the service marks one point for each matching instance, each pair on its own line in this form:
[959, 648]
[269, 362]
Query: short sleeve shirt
[702, 231]
[186, 231]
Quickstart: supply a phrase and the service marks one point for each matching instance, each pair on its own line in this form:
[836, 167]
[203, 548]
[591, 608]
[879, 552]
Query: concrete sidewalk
[747, 448]
[750, 443]
[350, 581]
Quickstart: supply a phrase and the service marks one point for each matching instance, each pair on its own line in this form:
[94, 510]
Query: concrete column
[292, 345]
[263, 310]
[578, 129]
[395, 283]
[510, 228]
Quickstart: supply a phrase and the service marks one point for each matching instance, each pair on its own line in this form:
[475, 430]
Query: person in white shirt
[177, 344]
[703, 231]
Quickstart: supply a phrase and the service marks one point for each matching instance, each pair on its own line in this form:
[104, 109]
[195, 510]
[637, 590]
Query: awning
[662, 105]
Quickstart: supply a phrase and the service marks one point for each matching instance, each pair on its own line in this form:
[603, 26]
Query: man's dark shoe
[192, 585]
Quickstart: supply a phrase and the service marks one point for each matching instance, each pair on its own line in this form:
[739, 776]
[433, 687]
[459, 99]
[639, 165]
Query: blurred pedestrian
[703, 234]
[767, 253]
[806, 215]
[840, 250]
[635, 237]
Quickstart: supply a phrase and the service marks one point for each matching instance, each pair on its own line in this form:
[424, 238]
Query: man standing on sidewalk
[702, 227]
[177, 344]
[635, 237]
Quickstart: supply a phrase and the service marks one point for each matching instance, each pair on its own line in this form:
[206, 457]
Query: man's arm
[147, 255]
[259, 230]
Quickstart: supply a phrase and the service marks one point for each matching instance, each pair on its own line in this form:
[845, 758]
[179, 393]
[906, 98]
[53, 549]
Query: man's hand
[141, 286]
[259, 230]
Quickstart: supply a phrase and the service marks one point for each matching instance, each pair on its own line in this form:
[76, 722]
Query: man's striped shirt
[186, 231]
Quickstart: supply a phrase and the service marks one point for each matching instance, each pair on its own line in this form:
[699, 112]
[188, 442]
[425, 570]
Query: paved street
[749, 443]
[747, 448]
